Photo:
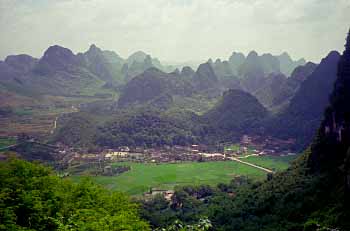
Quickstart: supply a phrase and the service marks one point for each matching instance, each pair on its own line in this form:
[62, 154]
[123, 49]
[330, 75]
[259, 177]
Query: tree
[202, 225]
[32, 197]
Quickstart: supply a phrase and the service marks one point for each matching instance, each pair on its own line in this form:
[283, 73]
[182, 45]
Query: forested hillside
[311, 195]
[301, 118]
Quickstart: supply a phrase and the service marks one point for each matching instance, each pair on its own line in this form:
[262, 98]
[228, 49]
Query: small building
[167, 194]
[124, 149]
[113, 155]
[107, 170]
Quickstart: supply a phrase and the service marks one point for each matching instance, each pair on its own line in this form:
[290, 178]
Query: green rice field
[143, 176]
[4, 142]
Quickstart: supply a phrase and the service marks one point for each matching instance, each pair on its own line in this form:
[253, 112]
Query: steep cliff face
[187, 72]
[285, 92]
[332, 149]
[156, 86]
[57, 58]
[205, 77]
[252, 72]
[23, 63]
[139, 62]
[236, 60]
[104, 64]
[303, 116]
[269, 88]
[287, 65]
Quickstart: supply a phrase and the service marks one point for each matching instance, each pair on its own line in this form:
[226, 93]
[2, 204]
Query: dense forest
[236, 113]
[33, 197]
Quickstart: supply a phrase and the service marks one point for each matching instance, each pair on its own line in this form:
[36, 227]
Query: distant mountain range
[254, 64]
[290, 94]
[70, 74]
[260, 75]
[60, 72]
[153, 84]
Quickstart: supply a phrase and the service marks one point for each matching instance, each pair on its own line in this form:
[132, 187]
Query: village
[113, 162]
[248, 146]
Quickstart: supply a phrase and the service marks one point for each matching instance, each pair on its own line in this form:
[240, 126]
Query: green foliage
[202, 225]
[32, 197]
[188, 205]
[290, 200]
[198, 104]
[237, 112]
[4, 142]
[146, 128]
[233, 147]
[150, 126]
[76, 130]
[35, 151]
[277, 163]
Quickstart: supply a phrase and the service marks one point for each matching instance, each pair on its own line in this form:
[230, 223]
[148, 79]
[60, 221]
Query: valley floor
[142, 177]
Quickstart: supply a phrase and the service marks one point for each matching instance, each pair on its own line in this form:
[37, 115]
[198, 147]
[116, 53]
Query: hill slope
[303, 116]
[151, 85]
[58, 72]
[238, 111]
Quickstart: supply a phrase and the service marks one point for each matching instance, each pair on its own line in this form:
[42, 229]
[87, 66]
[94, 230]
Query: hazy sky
[176, 30]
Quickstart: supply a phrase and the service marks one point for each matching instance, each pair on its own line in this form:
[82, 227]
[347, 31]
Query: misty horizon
[176, 31]
[166, 62]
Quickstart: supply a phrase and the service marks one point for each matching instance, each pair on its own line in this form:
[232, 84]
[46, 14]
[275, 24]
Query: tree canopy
[32, 197]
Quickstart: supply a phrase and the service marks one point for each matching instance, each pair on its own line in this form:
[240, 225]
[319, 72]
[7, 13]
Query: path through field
[54, 125]
[7, 147]
[252, 165]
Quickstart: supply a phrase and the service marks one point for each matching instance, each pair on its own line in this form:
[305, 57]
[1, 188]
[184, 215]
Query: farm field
[143, 176]
[4, 142]
[274, 163]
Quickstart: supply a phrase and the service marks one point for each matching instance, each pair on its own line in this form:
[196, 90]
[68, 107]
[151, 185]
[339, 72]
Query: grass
[271, 162]
[4, 142]
[142, 176]
[23, 111]
[197, 104]
[233, 147]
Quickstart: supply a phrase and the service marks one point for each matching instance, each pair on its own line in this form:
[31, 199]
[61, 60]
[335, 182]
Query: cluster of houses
[268, 145]
[164, 154]
[248, 145]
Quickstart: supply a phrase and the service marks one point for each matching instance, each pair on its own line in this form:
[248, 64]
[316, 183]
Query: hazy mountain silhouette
[287, 65]
[303, 115]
